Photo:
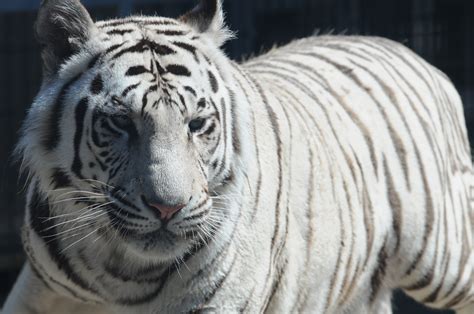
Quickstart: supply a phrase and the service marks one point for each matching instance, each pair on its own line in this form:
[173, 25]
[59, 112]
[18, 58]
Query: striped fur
[317, 177]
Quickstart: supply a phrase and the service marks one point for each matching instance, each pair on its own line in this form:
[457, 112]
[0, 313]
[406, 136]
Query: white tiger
[166, 178]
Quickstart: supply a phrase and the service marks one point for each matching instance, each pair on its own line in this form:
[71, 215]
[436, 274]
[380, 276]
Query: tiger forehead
[157, 32]
[175, 47]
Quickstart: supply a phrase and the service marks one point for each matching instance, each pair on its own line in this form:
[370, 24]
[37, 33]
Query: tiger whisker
[77, 199]
[78, 218]
[81, 239]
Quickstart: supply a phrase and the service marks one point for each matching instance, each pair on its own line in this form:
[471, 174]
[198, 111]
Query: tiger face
[138, 117]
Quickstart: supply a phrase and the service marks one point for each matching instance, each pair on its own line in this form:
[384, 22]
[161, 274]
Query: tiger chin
[166, 178]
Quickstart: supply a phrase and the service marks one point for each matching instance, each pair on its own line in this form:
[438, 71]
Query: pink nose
[166, 212]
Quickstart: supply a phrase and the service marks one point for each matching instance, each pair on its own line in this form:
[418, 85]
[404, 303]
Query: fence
[442, 31]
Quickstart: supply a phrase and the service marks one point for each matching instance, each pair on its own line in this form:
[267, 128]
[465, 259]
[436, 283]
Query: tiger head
[133, 129]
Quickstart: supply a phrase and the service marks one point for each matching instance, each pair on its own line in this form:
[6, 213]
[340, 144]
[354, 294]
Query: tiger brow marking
[187, 47]
[136, 70]
[177, 69]
[144, 45]
[191, 90]
[129, 89]
[113, 47]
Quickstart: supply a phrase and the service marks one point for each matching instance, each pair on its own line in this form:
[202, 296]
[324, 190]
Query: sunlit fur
[336, 170]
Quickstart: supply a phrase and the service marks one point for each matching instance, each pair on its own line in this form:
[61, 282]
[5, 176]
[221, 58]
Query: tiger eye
[196, 124]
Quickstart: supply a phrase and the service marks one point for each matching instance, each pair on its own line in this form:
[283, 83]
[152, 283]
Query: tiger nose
[166, 211]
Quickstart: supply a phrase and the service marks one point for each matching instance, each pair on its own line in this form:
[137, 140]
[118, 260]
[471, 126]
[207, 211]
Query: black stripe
[197, 216]
[191, 90]
[129, 89]
[136, 70]
[117, 272]
[95, 135]
[120, 31]
[225, 127]
[124, 213]
[379, 273]
[137, 21]
[429, 213]
[93, 61]
[276, 283]
[80, 114]
[236, 143]
[144, 45]
[60, 179]
[53, 133]
[395, 204]
[151, 89]
[97, 84]
[139, 47]
[186, 46]
[169, 32]
[177, 69]
[213, 82]
[161, 49]
[115, 193]
[113, 47]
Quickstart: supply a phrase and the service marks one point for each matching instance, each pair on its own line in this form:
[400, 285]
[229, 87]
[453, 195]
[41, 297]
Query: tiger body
[342, 171]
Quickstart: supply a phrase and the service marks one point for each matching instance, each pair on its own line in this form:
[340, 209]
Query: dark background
[442, 31]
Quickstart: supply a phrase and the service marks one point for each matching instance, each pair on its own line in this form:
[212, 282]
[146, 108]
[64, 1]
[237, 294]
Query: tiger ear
[208, 18]
[61, 27]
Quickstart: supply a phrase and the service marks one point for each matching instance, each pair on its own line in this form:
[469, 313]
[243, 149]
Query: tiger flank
[166, 178]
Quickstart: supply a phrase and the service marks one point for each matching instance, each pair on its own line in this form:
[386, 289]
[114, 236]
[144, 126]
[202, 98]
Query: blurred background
[441, 31]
